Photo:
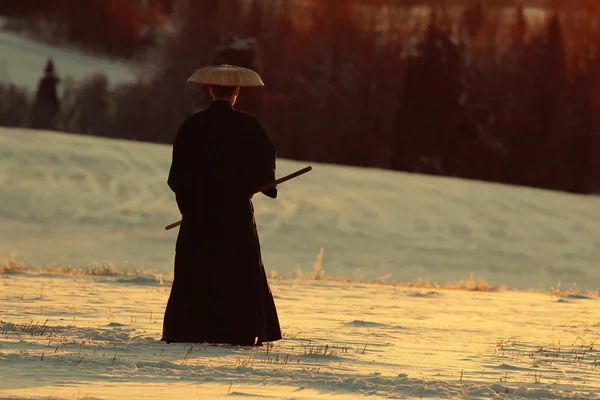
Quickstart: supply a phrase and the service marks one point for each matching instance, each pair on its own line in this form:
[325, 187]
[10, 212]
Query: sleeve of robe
[177, 171]
[261, 159]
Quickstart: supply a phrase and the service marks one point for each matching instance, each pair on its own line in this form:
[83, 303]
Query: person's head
[228, 93]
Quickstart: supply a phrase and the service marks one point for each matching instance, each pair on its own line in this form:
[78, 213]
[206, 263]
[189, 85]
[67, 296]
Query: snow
[82, 299]
[90, 337]
[76, 200]
[22, 62]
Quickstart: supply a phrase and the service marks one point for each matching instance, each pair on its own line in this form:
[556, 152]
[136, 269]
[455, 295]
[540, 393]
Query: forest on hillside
[472, 91]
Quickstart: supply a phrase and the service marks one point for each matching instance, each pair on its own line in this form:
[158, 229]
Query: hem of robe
[217, 342]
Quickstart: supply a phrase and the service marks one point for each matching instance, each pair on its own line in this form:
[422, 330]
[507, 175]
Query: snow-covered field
[97, 337]
[22, 62]
[92, 330]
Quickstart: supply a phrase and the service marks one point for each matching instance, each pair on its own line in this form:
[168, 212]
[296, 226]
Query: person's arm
[262, 163]
[178, 170]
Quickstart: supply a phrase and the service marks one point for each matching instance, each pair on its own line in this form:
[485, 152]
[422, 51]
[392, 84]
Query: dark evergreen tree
[14, 105]
[46, 106]
[91, 108]
[431, 109]
[473, 18]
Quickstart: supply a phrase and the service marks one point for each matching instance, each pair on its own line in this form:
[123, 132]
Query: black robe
[220, 292]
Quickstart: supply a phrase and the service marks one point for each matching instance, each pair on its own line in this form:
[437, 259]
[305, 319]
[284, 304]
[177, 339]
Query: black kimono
[220, 292]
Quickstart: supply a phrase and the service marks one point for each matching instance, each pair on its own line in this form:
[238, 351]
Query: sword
[262, 188]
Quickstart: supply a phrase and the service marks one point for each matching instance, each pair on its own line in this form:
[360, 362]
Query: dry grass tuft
[105, 268]
[11, 265]
[472, 284]
[573, 291]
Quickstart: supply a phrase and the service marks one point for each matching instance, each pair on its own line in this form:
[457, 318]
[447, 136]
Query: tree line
[112, 27]
[470, 92]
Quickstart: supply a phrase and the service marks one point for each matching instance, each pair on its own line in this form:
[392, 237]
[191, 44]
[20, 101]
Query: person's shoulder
[250, 121]
[192, 119]
[246, 117]
[254, 131]
[188, 126]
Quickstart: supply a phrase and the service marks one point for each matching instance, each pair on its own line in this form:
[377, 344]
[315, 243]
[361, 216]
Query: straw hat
[226, 75]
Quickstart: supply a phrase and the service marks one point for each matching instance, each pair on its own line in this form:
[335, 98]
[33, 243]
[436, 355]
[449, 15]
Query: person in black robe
[220, 292]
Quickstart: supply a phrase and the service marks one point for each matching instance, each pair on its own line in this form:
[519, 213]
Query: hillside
[22, 62]
[75, 200]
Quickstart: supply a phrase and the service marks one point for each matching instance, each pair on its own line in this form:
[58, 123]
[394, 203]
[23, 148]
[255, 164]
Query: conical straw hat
[226, 75]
